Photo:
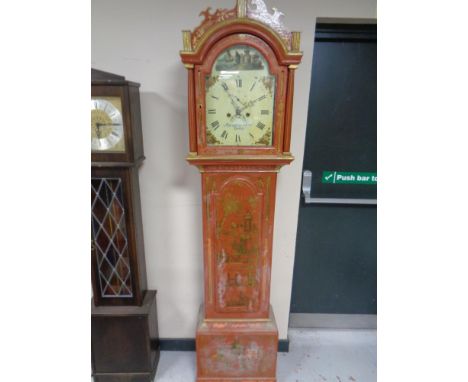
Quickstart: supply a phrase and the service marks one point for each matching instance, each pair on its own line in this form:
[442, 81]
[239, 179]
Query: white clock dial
[107, 132]
[240, 99]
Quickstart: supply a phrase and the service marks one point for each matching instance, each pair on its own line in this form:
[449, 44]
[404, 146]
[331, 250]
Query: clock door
[239, 99]
[239, 213]
[241, 94]
[113, 260]
[111, 121]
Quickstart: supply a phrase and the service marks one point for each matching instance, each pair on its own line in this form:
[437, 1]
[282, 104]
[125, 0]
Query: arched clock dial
[239, 99]
[107, 132]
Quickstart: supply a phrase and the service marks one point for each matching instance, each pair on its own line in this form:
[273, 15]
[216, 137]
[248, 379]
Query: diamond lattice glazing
[110, 237]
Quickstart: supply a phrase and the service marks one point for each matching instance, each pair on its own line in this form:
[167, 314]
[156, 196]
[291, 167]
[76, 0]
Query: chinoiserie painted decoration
[241, 64]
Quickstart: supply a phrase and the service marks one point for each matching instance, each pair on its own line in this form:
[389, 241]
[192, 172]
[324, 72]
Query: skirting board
[333, 321]
[188, 344]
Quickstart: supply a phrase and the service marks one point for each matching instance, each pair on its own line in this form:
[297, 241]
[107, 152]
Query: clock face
[107, 132]
[239, 99]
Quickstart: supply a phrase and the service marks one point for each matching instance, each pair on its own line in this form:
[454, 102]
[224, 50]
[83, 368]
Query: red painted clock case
[238, 204]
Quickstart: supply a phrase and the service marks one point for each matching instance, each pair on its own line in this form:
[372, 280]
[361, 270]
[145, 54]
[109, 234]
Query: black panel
[346, 32]
[335, 269]
[342, 117]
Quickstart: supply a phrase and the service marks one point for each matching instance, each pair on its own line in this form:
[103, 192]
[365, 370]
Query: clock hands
[98, 130]
[251, 103]
[243, 106]
[107, 124]
[238, 100]
[99, 125]
[233, 102]
[240, 120]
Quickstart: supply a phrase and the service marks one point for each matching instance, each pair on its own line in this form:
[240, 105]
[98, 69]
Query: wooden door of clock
[238, 213]
[265, 133]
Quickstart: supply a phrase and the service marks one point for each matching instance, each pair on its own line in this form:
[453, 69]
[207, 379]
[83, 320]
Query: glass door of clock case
[112, 261]
[241, 98]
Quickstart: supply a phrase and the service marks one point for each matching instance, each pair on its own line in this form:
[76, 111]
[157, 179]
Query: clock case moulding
[237, 336]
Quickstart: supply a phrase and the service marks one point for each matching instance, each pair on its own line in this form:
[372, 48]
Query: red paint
[232, 350]
[238, 215]
[237, 337]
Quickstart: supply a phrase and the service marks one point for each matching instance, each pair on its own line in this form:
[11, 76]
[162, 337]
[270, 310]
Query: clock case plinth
[124, 335]
[125, 341]
[237, 349]
[237, 337]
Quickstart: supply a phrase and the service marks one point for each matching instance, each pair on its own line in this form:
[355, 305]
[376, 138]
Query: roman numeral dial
[239, 99]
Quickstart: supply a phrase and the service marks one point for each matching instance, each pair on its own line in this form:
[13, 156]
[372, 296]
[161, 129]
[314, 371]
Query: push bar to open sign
[307, 187]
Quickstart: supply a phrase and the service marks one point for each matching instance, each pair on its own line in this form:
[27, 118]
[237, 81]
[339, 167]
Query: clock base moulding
[233, 350]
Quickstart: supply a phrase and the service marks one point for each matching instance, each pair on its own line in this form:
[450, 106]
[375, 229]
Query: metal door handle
[307, 185]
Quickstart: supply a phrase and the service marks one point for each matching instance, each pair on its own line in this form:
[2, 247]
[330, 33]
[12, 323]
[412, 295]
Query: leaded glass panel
[110, 237]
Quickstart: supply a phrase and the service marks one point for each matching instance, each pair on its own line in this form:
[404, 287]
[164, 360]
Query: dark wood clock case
[124, 327]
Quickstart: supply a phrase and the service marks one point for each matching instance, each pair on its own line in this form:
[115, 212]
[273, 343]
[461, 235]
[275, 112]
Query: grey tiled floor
[315, 355]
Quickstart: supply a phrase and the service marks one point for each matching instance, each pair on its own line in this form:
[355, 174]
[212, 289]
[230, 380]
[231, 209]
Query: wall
[141, 40]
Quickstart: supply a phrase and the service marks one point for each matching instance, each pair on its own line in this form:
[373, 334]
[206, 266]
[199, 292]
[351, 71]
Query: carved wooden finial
[258, 10]
[241, 8]
[187, 40]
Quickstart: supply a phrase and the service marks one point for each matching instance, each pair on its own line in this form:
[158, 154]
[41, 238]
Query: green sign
[341, 177]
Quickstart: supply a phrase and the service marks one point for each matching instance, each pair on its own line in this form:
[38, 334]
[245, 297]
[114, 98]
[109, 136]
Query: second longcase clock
[124, 328]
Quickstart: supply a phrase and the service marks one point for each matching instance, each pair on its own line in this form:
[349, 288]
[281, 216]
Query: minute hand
[107, 124]
[251, 103]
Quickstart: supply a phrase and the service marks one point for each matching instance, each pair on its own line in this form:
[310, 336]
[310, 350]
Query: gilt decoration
[250, 9]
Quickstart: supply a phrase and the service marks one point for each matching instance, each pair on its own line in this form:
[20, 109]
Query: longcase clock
[241, 64]
[124, 327]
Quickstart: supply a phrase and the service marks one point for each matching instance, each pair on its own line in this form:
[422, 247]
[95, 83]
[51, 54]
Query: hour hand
[238, 100]
[98, 130]
[231, 98]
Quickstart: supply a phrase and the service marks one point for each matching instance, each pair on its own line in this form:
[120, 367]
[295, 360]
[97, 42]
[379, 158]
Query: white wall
[141, 39]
